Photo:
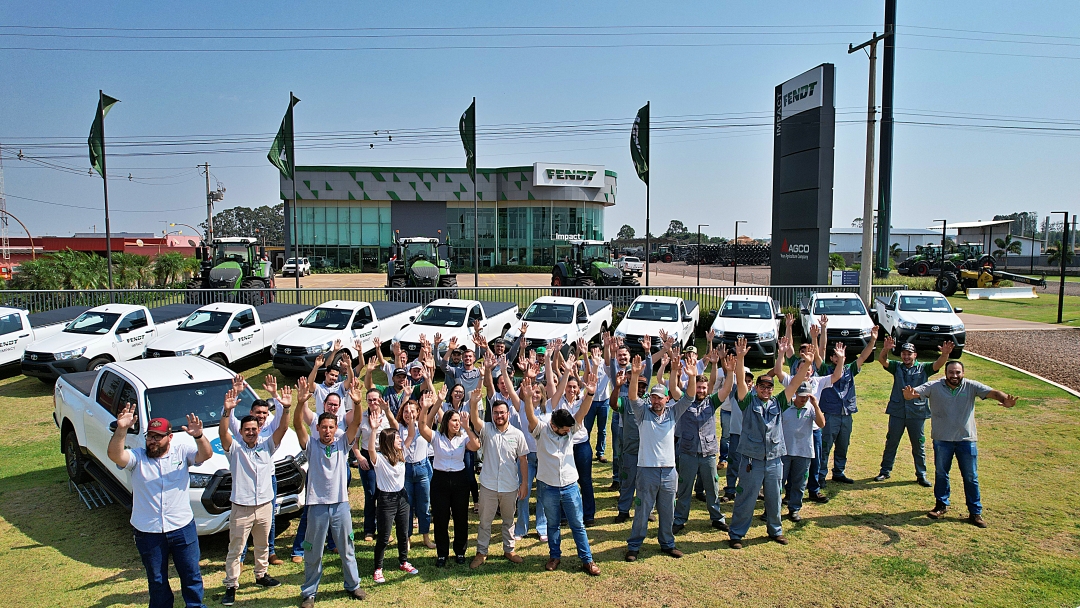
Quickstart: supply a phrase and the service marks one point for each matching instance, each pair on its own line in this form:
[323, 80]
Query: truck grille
[216, 497]
[292, 350]
[634, 341]
[732, 336]
[933, 329]
[843, 334]
[411, 348]
[152, 353]
[38, 357]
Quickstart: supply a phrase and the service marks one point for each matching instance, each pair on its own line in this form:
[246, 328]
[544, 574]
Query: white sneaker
[379, 578]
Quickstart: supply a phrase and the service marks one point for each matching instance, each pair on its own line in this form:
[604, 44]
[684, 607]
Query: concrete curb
[1036, 376]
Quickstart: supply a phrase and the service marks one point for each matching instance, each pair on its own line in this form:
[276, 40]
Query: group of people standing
[416, 449]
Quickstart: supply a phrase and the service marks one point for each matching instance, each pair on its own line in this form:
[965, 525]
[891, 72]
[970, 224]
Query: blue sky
[976, 75]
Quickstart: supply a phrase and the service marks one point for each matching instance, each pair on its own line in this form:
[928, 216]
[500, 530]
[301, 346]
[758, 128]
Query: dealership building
[349, 216]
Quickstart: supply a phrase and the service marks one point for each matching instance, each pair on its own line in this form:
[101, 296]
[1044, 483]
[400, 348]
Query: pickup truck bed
[60, 315]
[492, 309]
[385, 310]
[595, 306]
[82, 381]
[172, 312]
[275, 311]
[690, 305]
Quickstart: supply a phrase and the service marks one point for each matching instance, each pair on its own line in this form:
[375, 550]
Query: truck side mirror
[132, 430]
[803, 311]
[958, 309]
[687, 318]
[412, 318]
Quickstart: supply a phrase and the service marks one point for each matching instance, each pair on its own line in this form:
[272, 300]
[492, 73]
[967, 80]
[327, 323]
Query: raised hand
[741, 348]
[337, 344]
[238, 383]
[453, 344]
[709, 335]
[620, 377]
[346, 358]
[230, 402]
[646, 342]
[874, 334]
[910, 394]
[359, 345]
[729, 364]
[524, 328]
[1010, 400]
[270, 384]
[663, 335]
[789, 320]
[319, 361]
[815, 331]
[286, 397]
[442, 394]
[194, 426]
[824, 320]
[531, 369]
[127, 417]
[423, 339]
[438, 340]
[890, 343]
[637, 365]
[946, 347]
[475, 394]
[376, 342]
[582, 346]
[840, 350]
[590, 383]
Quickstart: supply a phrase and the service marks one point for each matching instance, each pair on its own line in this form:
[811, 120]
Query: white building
[849, 240]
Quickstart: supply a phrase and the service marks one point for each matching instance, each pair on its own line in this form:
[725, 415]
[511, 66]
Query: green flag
[639, 143]
[467, 128]
[281, 153]
[96, 140]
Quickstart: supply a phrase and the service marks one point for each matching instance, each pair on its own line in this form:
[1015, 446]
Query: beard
[157, 450]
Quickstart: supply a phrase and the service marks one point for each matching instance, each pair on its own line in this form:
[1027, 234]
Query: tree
[1054, 254]
[676, 230]
[243, 221]
[168, 267]
[836, 262]
[625, 233]
[895, 251]
[1006, 246]
[1023, 222]
[856, 223]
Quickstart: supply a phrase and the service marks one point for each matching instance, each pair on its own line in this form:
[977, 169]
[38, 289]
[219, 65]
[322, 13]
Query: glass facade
[345, 236]
[526, 234]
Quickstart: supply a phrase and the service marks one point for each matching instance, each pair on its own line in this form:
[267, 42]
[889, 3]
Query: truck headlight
[959, 327]
[318, 350]
[191, 351]
[273, 350]
[865, 332]
[70, 354]
[905, 324]
[200, 480]
[767, 336]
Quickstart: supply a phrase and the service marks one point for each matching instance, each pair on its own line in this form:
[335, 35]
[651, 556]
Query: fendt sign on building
[582, 176]
[803, 137]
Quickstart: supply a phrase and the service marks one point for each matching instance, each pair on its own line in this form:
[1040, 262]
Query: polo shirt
[366, 431]
[321, 391]
[628, 419]
[952, 412]
[615, 368]
[554, 454]
[268, 427]
[159, 488]
[657, 433]
[799, 424]
[468, 379]
[502, 449]
[581, 434]
[697, 427]
[735, 422]
[449, 453]
[916, 375]
[520, 420]
[839, 399]
[252, 470]
[417, 450]
[328, 468]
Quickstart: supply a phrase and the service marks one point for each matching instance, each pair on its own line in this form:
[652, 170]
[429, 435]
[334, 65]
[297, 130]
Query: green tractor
[588, 266]
[235, 264]
[415, 262]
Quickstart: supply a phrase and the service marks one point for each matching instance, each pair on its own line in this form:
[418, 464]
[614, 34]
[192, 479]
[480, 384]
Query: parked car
[453, 318]
[924, 318]
[647, 315]
[630, 265]
[755, 318]
[848, 320]
[85, 411]
[19, 329]
[296, 266]
[568, 319]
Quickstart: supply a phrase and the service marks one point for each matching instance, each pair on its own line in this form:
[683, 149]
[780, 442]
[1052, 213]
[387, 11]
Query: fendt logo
[794, 251]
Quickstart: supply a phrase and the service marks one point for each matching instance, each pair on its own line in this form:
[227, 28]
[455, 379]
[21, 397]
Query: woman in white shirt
[456, 400]
[375, 418]
[417, 469]
[450, 480]
[391, 498]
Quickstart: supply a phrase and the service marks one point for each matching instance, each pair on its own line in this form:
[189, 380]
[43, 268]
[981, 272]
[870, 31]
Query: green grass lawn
[871, 545]
[1043, 308]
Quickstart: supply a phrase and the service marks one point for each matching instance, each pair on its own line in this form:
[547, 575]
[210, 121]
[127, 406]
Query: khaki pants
[244, 521]
[506, 504]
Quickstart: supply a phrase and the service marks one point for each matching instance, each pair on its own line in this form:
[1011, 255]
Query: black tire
[588, 288]
[97, 363]
[195, 293]
[73, 458]
[668, 258]
[254, 298]
[956, 352]
[987, 261]
[920, 269]
[448, 286]
[630, 281]
[220, 360]
[397, 285]
[946, 284]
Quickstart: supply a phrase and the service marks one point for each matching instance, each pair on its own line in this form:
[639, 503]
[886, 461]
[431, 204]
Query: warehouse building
[348, 217]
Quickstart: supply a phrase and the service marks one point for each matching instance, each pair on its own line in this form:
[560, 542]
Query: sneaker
[622, 517]
[460, 559]
[267, 581]
[408, 568]
[440, 562]
[379, 578]
[230, 596]
[977, 521]
[631, 556]
[308, 602]
[882, 477]
[720, 525]
[673, 552]
[939, 511]
[676, 528]
[843, 479]
[794, 516]
[819, 497]
[924, 482]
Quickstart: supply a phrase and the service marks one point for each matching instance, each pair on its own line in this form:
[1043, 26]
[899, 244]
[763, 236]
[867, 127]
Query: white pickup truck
[454, 318]
[113, 332]
[295, 351]
[848, 320]
[19, 329]
[630, 265]
[649, 314]
[85, 411]
[567, 319]
[924, 318]
[755, 318]
[296, 266]
[226, 333]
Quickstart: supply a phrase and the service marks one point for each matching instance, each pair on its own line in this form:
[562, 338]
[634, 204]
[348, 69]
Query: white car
[19, 329]
[85, 411]
[453, 318]
[294, 266]
[630, 265]
[567, 319]
[848, 320]
[755, 318]
[924, 318]
[648, 315]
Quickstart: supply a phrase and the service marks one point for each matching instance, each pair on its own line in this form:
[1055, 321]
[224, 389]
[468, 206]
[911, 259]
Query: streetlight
[174, 224]
[1061, 253]
[33, 255]
[699, 227]
[735, 254]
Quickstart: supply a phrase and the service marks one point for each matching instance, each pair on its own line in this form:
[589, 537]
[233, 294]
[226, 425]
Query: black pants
[450, 497]
[392, 509]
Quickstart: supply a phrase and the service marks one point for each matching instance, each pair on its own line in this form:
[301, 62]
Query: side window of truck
[127, 395]
[475, 315]
[108, 387]
[132, 321]
[582, 316]
[363, 318]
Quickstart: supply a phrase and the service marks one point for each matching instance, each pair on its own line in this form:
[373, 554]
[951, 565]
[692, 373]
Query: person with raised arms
[521, 420]
[391, 498]
[417, 469]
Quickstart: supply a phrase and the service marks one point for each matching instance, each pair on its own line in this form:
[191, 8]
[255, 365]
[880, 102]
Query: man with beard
[161, 510]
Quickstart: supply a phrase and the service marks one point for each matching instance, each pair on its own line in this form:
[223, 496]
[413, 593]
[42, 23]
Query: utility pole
[1063, 252]
[886, 149]
[209, 204]
[865, 271]
[699, 227]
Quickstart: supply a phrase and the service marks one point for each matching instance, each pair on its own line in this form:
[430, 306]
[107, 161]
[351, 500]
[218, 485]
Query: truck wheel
[955, 354]
[97, 363]
[220, 360]
[946, 283]
[73, 458]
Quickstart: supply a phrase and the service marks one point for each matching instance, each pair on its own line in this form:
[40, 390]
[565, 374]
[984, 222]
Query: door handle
[256, 331]
[24, 336]
[89, 413]
[149, 331]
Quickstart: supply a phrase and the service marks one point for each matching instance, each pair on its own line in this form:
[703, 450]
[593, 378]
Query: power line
[23, 198]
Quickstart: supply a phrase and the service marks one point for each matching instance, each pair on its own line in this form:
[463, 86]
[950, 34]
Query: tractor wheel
[921, 269]
[946, 284]
[448, 286]
[253, 298]
[588, 288]
[630, 281]
[987, 261]
[668, 258]
[194, 293]
[396, 292]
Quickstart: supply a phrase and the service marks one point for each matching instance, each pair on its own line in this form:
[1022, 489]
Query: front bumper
[758, 348]
[929, 339]
[294, 364]
[51, 370]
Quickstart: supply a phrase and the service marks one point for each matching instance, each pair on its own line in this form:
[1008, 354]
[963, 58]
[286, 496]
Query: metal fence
[708, 297]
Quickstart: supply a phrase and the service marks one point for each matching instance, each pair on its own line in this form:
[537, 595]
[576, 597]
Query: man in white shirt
[161, 510]
[251, 463]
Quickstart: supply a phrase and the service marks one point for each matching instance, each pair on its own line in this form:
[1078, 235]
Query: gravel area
[1037, 351]
[1053, 284]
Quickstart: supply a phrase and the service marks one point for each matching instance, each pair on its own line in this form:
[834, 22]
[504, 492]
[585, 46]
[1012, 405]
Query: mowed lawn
[871, 545]
[1042, 309]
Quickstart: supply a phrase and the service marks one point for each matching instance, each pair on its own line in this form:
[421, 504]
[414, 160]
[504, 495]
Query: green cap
[540, 350]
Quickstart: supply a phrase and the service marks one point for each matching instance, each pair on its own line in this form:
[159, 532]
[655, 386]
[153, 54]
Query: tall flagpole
[648, 237]
[105, 185]
[292, 159]
[476, 223]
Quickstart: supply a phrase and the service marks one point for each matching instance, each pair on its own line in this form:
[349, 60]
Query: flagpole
[648, 237]
[476, 223]
[295, 228]
[105, 185]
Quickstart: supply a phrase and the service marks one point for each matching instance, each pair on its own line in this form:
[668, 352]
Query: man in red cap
[161, 510]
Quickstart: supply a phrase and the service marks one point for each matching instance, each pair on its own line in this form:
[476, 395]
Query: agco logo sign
[794, 251]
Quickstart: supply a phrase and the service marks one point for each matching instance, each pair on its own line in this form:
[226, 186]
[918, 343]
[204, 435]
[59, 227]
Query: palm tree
[40, 274]
[895, 251]
[140, 270]
[167, 267]
[1054, 254]
[1006, 246]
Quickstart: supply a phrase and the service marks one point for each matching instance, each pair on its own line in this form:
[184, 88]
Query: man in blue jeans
[599, 412]
[952, 428]
[556, 475]
[160, 508]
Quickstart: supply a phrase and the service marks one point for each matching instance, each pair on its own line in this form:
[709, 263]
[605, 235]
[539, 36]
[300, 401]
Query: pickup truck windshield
[442, 316]
[924, 304]
[327, 318]
[203, 399]
[205, 322]
[549, 313]
[834, 307]
[93, 323]
[746, 310]
[654, 311]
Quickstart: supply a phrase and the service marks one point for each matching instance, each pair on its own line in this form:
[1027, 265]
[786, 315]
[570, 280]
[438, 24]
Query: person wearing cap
[268, 423]
[792, 361]
[328, 499]
[251, 463]
[799, 422]
[839, 403]
[905, 415]
[617, 358]
[698, 445]
[160, 506]
[332, 382]
[657, 477]
[761, 447]
[952, 428]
